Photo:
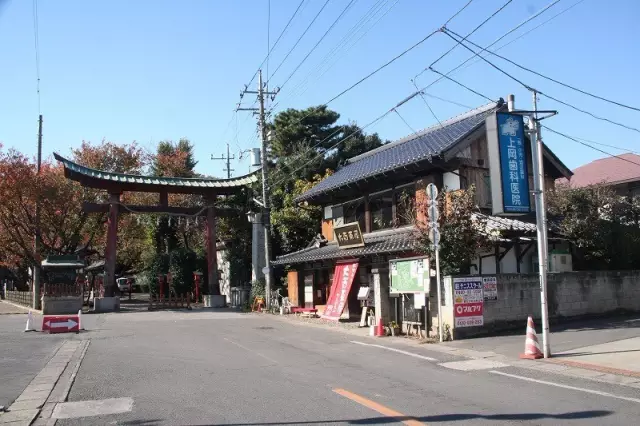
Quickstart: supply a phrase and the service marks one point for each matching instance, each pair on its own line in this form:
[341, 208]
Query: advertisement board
[508, 167]
[468, 301]
[490, 288]
[409, 275]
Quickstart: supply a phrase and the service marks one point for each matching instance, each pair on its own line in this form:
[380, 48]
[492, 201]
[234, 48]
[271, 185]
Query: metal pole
[541, 221]
[265, 196]
[439, 292]
[37, 242]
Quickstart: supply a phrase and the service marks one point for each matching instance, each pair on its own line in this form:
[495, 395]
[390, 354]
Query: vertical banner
[342, 279]
[509, 173]
[513, 163]
[468, 301]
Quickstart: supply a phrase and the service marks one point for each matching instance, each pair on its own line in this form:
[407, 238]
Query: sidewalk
[7, 308]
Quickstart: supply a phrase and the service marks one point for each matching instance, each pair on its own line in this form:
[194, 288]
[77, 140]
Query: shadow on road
[574, 415]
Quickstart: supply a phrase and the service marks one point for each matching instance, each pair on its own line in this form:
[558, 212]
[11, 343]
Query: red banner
[342, 279]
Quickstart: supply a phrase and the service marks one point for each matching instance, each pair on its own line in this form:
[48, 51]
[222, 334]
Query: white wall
[451, 181]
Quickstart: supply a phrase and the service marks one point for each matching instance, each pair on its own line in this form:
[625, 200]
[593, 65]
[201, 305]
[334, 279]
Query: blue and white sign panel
[508, 164]
[513, 163]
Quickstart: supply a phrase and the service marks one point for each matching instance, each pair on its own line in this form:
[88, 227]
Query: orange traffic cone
[531, 345]
[380, 329]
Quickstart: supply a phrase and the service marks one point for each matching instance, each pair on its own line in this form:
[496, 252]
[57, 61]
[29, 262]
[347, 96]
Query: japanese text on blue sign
[513, 163]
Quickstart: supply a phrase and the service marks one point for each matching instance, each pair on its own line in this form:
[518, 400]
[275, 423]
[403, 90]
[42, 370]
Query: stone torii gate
[117, 183]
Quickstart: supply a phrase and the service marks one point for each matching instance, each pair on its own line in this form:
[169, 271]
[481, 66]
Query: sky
[152, 70]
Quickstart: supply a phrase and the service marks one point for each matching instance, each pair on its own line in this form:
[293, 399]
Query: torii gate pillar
[214, 299]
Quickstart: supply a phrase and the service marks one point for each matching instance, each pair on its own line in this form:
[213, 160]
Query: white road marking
[427, 358]
[101, 407]
[473, 364]
[559, 385]
[251, 350]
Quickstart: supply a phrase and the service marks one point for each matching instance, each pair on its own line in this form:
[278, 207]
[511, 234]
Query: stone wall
[570, 294]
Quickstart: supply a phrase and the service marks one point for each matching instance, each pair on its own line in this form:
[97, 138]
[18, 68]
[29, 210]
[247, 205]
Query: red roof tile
[610, 170]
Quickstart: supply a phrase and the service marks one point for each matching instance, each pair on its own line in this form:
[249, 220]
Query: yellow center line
[385, 411]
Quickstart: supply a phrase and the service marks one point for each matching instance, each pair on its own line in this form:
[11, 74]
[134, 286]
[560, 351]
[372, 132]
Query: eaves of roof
[100, 179]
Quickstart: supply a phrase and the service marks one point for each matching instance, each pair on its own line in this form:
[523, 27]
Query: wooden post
[212, 257]
[112, 242]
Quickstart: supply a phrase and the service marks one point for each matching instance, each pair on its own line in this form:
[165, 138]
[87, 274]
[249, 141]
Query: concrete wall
[60, 305]
[570, 294]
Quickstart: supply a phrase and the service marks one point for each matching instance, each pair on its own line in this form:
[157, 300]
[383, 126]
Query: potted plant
[394, 328]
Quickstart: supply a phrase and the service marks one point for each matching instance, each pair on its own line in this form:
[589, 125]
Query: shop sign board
[409, 275]
[468, 301]
[490, 288]
[349, 236]
[508, 167]
[340, 287]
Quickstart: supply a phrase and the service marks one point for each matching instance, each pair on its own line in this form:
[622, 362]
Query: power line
[446, 100]
[276, 43]
[268, 37]
[300, 38]
[529, 19]
[590, 146]
[330, 59]
[36, 38]
[524, 33]
[458, 12]
[544, 76]
[427, 104]
[473, 31]
[319, 41]
[526, 86]
[404, 121]
[460, 84]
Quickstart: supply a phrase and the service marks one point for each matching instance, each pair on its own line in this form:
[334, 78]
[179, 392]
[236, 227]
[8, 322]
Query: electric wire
[584, 92]
[276, 42]
[521, 24]
[318, 42]
[526, 86]
[299, 38]
[472, 32]
[404, 121]
[331, 57]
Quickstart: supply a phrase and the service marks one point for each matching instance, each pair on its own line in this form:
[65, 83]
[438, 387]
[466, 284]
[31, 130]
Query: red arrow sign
[60, 324]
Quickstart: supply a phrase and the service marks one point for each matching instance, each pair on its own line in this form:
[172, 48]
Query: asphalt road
[235, 369]
[22, 355]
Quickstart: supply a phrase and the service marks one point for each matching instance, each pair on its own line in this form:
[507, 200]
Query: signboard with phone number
[468, 301]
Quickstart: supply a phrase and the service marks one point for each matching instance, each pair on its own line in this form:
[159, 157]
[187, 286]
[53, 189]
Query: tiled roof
[73, 170]
[393, 241]
[421, 146]
[610, 170]
[498, 223]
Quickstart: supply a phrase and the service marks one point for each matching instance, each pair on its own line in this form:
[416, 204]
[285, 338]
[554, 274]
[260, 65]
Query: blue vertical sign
[513, 163]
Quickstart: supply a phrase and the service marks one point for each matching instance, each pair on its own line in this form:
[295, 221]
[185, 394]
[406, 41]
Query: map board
[409, 275]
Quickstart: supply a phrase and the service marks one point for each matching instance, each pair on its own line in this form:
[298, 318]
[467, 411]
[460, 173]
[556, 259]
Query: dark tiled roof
[423, 145]
[76, 171]
[498, 223]
[393, 241]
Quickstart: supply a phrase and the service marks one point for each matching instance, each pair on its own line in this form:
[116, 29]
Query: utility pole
[228, 159]
[541, 219]
[36, 244]
[266, 214]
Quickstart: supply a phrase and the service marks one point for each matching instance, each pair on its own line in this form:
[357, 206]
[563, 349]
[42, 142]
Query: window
[354, 211]
[405, 205]
[381, 206]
